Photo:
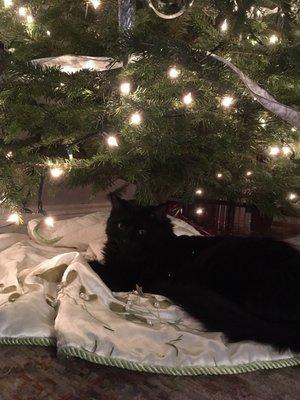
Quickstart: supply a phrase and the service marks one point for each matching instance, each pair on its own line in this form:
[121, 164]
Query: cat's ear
[116, 202]
[159, 211]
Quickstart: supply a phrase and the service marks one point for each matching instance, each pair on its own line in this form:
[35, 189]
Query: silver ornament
[126, 15]
[169, 9]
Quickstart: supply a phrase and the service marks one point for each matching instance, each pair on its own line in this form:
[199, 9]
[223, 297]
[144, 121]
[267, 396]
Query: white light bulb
[69, 70]
[7, 3]
[29, 19]
[219, 175]
[273, 39]
[49, 221]
[292, 196]
[70, 154]
[199, 211]
[112, 141]
[96, 3]
[286, 150]
[14, 218]
[135, 118]
[173, 72]
[249, 173]
[56, 172]
[262, 122]
[227, 101]
[224, 26]
[125, 88]
[188, 99]
[9, 155]
[48, 33]
[22, 12]
[199, 192]
[274, 151]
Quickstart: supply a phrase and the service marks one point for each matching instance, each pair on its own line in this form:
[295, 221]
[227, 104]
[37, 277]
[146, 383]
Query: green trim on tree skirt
[180, 371]
[35, 341]
[70, 351]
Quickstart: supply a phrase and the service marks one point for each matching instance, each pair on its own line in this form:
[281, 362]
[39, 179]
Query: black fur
[247, 288]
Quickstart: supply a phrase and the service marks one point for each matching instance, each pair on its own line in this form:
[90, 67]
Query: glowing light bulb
[69, 70]
[249, 173]
[48, 33]
[29, 19]
[199, 192]
[219, 175]
[96, 3]
[49, 221]
[224, 26]
[112, 141]
[273, 39]
[14, 218]
[173, 73]
[7, 3]
[292, 196]
[56, 172]
[286, 150]
[200, 211]
[125, 88]
[135, 118]
[227, 101]
[188, 99]
[262, 122]
[9, 155]
[70, 154]
[274, 151]
[22, 11]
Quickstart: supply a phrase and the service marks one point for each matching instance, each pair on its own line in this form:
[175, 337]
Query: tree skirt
[50, 296]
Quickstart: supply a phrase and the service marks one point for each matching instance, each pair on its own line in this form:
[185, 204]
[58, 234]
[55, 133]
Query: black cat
[247, 288]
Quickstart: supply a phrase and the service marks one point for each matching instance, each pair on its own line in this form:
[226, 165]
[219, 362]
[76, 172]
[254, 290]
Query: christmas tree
[164, 114]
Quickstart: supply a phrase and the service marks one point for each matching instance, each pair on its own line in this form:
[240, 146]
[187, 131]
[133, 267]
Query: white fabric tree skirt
[50, 296]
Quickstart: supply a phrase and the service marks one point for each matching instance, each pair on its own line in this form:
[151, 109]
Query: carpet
[34, 373]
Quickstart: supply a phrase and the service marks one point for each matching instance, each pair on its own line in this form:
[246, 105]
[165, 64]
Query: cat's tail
[219, 314]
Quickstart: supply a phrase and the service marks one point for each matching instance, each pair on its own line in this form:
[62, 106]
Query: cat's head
[131, 226]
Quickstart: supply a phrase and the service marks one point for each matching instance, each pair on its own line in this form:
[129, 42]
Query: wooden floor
[33, 373]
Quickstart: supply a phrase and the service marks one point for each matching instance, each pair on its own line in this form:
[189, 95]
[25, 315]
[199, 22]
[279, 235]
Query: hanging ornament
[126, 15]
[169, 9]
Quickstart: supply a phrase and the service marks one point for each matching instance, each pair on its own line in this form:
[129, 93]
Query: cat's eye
[121, 226]
[142, 232]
